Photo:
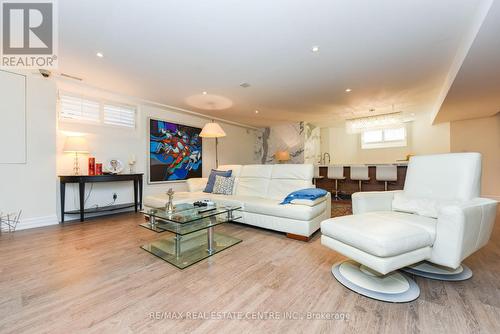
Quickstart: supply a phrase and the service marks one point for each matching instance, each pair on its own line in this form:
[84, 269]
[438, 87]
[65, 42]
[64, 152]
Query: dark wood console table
[83, 179]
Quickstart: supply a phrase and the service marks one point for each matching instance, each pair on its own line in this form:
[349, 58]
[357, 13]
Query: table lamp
[213, 130]
[76, 145]
[282, 156]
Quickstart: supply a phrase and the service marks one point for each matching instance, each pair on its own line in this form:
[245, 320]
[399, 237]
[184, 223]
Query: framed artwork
[175, 152]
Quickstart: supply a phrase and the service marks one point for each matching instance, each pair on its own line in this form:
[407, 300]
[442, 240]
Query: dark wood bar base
[297, 237]
[349, 186]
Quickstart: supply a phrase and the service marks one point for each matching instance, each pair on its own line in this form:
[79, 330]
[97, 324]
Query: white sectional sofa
[259, 189]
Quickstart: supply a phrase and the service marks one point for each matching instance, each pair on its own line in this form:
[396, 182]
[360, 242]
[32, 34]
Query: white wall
[13, 122]
[32, 186]
[481, 135]
[116, 143]
[423, 138]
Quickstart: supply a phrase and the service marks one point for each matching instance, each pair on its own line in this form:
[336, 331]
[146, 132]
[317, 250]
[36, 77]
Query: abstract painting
[174, 151]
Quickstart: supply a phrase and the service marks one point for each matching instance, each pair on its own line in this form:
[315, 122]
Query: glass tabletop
[186, 213]
[188, 228]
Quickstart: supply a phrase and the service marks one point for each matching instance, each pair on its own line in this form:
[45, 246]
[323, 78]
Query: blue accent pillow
[211, 179]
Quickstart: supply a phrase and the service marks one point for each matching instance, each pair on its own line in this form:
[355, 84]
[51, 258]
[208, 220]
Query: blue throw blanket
[309, 193]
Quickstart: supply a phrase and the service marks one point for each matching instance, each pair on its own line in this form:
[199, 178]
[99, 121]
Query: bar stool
[316, 174]
[386, 173]
[336, 173]
[359, 173]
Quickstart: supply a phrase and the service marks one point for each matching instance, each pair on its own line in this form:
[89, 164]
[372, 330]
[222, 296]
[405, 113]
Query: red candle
[91, 166]
[98, 169]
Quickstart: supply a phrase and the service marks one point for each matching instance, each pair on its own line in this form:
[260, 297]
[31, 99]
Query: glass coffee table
[194, 238]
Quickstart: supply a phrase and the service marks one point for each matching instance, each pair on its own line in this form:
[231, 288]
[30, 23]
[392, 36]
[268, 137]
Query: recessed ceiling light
[204, 93]
[315, 48]
[99, 54]
[256, 111]
[348, 90]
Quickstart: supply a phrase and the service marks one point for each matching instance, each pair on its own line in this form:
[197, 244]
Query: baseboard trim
[495, 197]
[37, 222]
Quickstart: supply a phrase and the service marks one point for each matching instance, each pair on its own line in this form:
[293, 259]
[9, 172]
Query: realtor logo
[29, 37]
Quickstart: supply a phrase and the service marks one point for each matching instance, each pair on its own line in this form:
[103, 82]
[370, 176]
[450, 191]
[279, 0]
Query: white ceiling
[389, 52]
[475, 91]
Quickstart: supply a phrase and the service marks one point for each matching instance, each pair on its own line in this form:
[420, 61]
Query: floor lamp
[213, 130]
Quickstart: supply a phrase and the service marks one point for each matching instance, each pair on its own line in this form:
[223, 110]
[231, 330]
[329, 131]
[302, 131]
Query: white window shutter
[119, 115]
[79, 109]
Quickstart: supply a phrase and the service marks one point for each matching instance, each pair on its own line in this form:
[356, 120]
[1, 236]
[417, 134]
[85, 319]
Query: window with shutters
[119, 115]
[81, 109]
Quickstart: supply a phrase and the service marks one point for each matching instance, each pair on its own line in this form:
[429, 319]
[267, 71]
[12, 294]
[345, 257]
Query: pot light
[315, 48]
[348, 90]
[99, 54]
[256, 111]
[204, 93]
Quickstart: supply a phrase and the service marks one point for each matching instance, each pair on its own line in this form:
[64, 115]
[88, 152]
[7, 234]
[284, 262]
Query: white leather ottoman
[379, 242]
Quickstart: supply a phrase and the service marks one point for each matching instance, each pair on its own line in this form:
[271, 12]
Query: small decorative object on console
[131, 164]
[170, 203]
[114, 166]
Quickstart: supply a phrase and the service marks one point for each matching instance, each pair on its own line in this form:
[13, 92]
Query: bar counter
[348, 186]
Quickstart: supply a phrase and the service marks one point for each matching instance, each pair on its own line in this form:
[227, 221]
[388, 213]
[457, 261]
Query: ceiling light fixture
[99, 54]
[358, 125]
[256, 111]
[204, 93]
[348, 90]
[315, 48]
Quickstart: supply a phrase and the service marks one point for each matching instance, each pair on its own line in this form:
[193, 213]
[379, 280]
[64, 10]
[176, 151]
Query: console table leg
[81, 187]
[136, 201]
[140, 192]
[63, 199]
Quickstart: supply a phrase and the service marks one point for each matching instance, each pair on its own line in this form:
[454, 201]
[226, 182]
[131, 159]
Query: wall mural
[175, 151]
[288, 137]
[312, 144]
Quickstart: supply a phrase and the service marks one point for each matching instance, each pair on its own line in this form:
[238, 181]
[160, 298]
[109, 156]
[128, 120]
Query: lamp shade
[76, 145]
[282, 156]
[212, 130]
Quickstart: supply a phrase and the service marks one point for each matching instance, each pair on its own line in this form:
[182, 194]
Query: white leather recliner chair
[426, 229]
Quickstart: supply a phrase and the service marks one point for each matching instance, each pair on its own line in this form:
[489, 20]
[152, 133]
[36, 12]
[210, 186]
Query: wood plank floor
[94, 278]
